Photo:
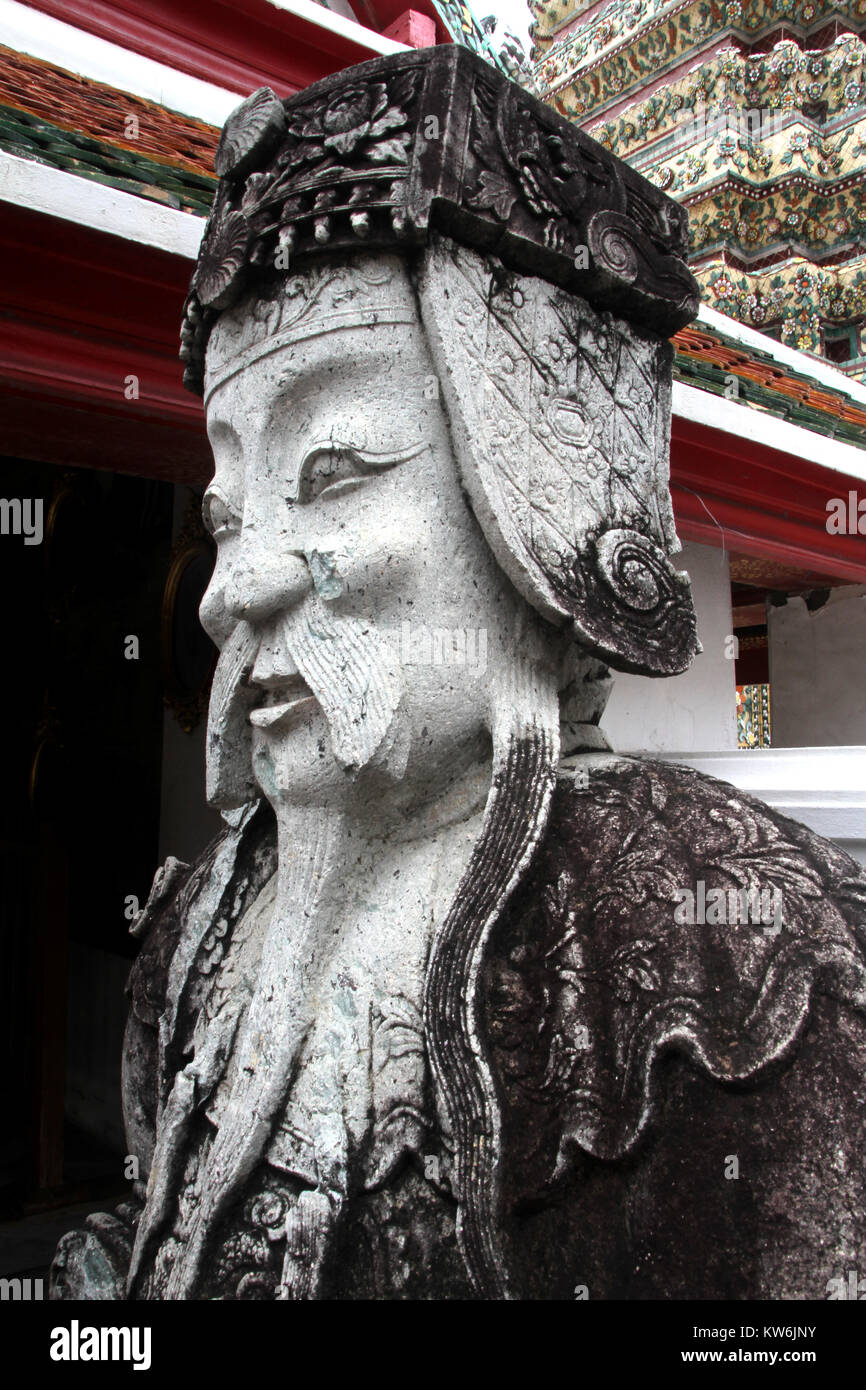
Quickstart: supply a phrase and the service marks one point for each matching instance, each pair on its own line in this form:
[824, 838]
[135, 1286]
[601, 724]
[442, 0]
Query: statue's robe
[682, 1100]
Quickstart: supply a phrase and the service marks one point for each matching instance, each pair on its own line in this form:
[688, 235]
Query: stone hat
[384, 155]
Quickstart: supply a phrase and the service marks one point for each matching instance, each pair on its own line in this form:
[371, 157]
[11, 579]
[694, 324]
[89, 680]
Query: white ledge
[92, 204]
[823, 788]
[749, 422]
[338, 24]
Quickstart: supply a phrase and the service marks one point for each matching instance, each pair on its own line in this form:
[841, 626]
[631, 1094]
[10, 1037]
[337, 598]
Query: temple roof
[715, 355]
[752, 114]
[70, 122]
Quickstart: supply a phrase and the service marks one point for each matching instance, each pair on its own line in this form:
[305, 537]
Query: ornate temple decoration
[756, 129]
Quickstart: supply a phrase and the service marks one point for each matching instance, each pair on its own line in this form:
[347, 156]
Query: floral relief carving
[601, 971]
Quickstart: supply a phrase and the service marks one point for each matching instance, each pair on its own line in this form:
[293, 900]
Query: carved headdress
[549, 274]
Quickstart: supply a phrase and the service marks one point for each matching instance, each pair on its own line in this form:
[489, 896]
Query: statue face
[350, 565]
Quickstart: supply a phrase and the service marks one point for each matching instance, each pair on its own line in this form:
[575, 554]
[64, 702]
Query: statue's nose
[262, 586]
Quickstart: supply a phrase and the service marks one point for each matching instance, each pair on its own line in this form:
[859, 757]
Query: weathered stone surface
[461, 1004]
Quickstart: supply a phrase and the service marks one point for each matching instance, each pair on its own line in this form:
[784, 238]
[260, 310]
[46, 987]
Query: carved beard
[347, 667]
[294, 955]
[350, 669]
[525, 730]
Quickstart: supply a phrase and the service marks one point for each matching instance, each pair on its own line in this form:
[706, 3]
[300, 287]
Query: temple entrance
[81, 810]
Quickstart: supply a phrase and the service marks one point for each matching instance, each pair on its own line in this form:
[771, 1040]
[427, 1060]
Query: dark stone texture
[705, 1043]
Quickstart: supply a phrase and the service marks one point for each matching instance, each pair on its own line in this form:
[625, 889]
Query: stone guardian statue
[461, 1004]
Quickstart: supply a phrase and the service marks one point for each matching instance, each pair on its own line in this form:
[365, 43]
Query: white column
[818, 671]
[697, 710]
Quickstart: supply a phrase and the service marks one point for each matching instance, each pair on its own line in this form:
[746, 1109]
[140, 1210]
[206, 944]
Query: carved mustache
[348, 666]
[353, 675]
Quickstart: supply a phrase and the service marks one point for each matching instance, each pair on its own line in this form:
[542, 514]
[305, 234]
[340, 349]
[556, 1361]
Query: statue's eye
[331, 469]
[218, 516]
[328, 471]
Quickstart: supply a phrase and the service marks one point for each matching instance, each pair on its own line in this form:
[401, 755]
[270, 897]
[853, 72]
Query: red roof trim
[241, 46]
[84, 311]
[729, 490]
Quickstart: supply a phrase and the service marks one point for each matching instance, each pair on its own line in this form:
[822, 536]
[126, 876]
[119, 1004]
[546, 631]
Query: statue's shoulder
[664, 910]
[610, 811]
[675, 996]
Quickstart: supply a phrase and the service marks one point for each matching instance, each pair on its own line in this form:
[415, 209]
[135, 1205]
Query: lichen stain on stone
[323, 567]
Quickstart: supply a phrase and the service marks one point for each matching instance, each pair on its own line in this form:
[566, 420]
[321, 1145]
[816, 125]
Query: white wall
[818, 671]
[694, 712]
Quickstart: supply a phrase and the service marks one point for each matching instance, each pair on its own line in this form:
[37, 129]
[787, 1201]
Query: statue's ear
[560, 418]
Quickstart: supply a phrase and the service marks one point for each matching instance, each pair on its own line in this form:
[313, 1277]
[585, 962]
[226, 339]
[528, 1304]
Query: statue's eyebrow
[362, 461]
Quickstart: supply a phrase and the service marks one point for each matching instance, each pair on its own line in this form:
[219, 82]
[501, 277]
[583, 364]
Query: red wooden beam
[729, 490]
[241, 45]
[83, 436]
[80, 313]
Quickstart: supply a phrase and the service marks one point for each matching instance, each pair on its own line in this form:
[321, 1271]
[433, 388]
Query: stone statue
[461, 1003]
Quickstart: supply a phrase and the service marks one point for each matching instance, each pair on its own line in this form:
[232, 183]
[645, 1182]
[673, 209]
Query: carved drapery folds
[602, 947]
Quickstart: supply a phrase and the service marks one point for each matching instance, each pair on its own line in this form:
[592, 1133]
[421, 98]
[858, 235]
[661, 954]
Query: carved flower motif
[222, 263]
[496, 193]
[249, 131]
[359, 117]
